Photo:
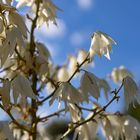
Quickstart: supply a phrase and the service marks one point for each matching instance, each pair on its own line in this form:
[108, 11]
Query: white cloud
[85, 4]
[77, 39]
[52, 31]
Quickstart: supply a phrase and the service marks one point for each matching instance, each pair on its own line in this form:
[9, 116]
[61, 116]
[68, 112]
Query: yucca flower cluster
[27, 69]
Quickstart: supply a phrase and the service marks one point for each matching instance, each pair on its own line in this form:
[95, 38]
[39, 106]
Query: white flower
[25, 136]
[131, 128]
[21, 86]
[22, 3]
[50, 88]
[81, 56]
[17, 133]
[6, 7]
[112, 128]
[103, 84]
[88, 131]
[89, 85]
[101, 44]
[130, 91]
[9, 63]
[5, 132]
[17, 20]
[42, 59]
[67, 93]
[47, 13]
[121, 127]
[9, 2]
[72, 65]
[1, 26]
[43, 51]
[118, 74]
[6, 51]
[27, 56]
[13, 38]
[5, 93]
[43, 70]
[75, 112]
[63, 74]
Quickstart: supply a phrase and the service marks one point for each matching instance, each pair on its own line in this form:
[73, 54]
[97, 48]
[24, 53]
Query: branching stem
[95, 113]
[77, 70]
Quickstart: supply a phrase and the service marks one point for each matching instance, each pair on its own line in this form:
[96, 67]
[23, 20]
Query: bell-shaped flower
[87, 131]
[1, 25]
[131, 127]
[42, 59]
[72, 65]
[6, 7]
[121, 127]
[82, 55]
[43, 51]
[63, 74]
[22, 3]
[6, 51]
[47, 13]
[5, 93]
[13, 38]
[112, 128]
[50, 87]
[74, 112]
[89, 85]
[21, 86]
[17, 20]
[101, 44]
[103, 84]
[118, 74]
[5, 132]
[67, 93]
[130, 91]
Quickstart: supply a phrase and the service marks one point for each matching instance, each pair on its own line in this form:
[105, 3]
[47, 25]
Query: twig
[78, 67]
[18, 54]
[32, 45]
[95, 113]
[51, 115]
[85, 109]
[14, 121]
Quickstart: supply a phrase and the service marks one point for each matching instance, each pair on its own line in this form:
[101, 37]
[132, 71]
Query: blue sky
[120, 19]
[80, 18]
